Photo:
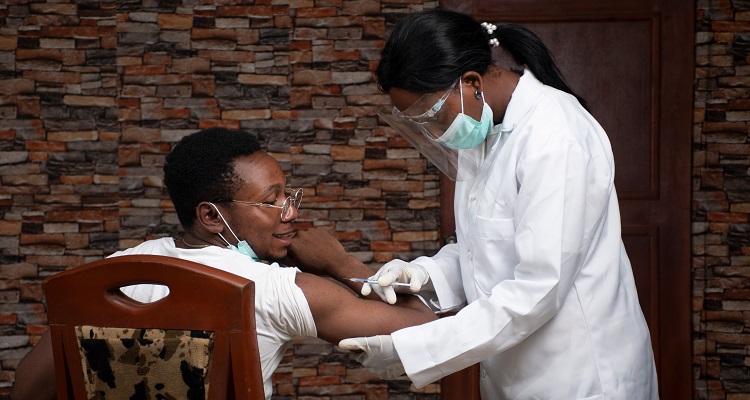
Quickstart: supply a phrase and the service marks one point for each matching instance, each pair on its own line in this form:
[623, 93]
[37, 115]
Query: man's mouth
[285, 235]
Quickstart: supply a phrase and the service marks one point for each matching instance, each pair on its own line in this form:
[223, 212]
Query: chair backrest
[205, 327]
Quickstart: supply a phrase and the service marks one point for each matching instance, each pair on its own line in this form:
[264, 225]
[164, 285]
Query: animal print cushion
[144, 364]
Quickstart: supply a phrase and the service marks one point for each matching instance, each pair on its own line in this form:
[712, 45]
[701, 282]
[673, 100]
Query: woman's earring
[478, 94]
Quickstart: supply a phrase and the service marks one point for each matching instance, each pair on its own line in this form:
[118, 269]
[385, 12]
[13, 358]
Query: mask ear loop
[461, 90]
[225, 223]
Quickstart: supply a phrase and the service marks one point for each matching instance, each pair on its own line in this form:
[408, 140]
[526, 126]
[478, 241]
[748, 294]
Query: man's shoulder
[219, 258]
[154, 246]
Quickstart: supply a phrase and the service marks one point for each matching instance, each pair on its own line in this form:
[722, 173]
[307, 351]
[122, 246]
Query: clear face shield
[424, 125]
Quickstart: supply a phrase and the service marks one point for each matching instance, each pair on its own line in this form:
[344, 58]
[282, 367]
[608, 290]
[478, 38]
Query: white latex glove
[377, 353]
[398, 271]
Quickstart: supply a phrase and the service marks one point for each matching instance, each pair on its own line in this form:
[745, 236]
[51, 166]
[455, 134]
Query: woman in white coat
[545, 292]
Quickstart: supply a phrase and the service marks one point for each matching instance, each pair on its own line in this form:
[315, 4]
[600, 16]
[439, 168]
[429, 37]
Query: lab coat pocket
[492, 252]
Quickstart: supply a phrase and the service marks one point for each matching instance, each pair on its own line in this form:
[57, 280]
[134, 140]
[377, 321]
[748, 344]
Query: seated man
[232, 201]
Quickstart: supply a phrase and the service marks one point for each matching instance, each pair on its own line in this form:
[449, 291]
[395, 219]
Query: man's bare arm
[35, 374]
[339, 313]
[317, 252]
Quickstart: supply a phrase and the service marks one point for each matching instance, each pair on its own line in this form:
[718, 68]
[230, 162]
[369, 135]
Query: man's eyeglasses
[286, 209]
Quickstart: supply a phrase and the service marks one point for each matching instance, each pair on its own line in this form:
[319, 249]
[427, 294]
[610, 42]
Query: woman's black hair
[429, 50]
[200, 168]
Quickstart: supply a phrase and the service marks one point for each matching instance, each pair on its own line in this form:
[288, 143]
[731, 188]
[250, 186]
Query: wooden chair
[214, 307]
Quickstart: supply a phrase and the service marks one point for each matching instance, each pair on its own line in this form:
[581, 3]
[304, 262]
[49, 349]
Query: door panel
[617, 86]
[632, 62]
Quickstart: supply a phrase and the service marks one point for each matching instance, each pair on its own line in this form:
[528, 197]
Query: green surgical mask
[465, 132]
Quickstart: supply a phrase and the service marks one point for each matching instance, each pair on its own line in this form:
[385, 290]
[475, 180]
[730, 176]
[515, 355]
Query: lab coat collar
[521, 101]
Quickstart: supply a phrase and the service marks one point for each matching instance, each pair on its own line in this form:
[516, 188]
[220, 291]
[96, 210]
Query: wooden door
[632, 61]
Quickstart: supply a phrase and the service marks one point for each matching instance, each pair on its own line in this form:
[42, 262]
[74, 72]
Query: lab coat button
[470, 257]
[484, 373]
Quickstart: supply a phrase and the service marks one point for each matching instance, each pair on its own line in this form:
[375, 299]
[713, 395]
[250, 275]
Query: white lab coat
[552, 308]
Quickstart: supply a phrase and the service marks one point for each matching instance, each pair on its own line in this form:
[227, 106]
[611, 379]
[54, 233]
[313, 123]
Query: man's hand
[398, 271]
[316, 251]
[377, 353]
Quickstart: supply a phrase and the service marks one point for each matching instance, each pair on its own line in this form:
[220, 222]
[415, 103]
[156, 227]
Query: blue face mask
[242, 247]
[465, 132]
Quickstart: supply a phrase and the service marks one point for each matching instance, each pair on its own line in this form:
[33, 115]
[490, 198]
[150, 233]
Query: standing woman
[545, 289]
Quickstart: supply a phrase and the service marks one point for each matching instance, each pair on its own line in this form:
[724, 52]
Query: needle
[375, 282]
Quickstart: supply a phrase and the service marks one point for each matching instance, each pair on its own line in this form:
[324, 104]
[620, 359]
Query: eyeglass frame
[293, 200]
[429, 113]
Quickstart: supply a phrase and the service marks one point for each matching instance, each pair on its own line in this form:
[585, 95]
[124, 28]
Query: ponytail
[528, 50]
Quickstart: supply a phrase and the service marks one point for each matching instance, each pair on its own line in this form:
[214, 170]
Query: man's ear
[207, 216]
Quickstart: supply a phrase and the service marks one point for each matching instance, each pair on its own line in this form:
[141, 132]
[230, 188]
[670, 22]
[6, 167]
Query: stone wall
[94, 93]
[721, 201]
[59, 178]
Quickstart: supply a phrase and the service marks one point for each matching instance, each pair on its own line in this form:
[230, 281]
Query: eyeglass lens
[293, 200]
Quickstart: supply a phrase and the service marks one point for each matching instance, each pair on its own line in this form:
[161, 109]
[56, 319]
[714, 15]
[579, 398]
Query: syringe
[375, 282]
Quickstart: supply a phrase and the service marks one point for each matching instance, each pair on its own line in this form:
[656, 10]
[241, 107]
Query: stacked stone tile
[94, 93]
[721, 201]
[58, 166]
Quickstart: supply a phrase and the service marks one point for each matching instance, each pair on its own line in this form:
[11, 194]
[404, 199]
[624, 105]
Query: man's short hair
[200, 168]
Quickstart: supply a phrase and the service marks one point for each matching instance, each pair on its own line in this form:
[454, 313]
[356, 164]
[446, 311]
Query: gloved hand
[377, 353]
[398, 271]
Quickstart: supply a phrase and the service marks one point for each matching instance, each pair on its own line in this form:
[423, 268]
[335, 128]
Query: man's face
[261, 227]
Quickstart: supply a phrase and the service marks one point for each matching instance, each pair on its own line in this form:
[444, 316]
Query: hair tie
[490, 28]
